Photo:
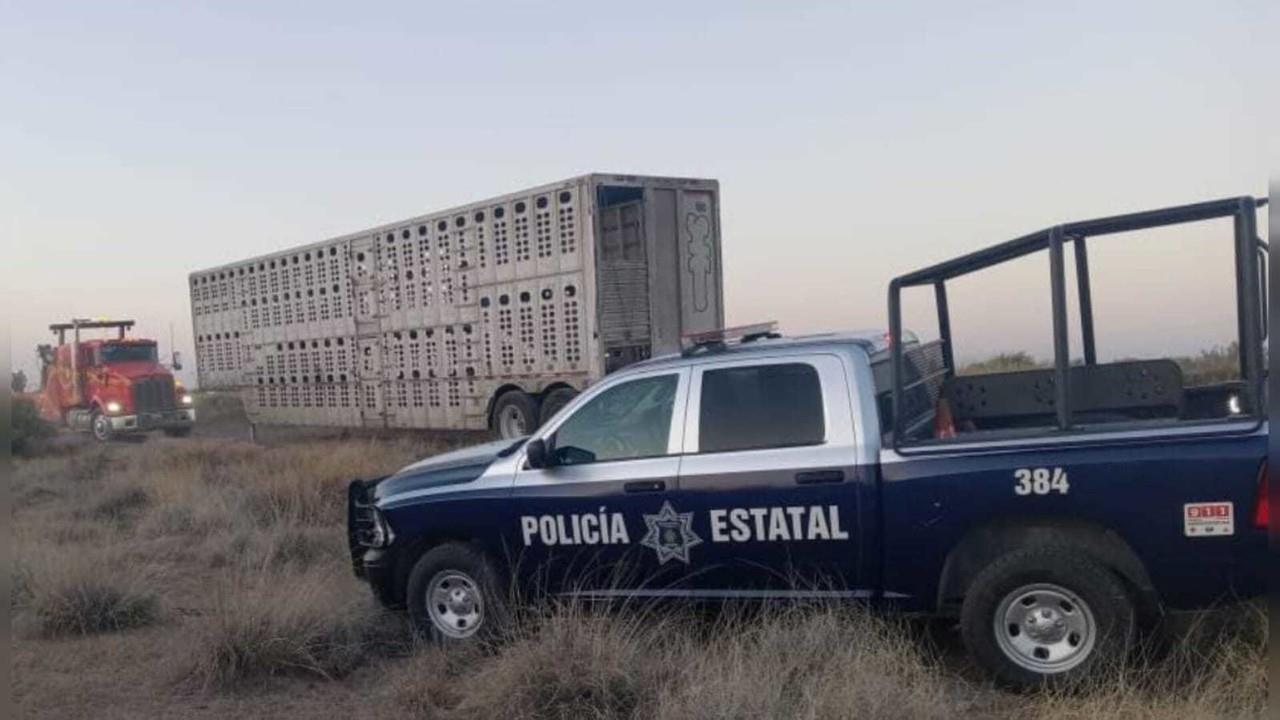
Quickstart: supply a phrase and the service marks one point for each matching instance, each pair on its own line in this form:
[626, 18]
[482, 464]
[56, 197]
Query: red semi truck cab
[110, 386]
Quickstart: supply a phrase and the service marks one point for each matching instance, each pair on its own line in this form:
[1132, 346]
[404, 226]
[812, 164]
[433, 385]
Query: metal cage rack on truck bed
[1065, 392]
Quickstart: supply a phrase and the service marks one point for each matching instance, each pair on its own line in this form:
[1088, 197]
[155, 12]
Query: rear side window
[762, 406]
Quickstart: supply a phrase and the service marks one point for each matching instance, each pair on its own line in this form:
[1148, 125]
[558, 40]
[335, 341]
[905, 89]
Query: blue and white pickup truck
[1054, 512]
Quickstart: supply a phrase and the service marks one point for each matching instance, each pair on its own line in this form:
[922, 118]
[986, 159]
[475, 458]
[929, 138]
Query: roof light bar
[722, 337]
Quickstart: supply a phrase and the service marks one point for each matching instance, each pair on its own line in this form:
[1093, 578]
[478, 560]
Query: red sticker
[1208, 519]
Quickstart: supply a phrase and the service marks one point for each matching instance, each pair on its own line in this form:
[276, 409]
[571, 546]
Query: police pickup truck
[1052, 511]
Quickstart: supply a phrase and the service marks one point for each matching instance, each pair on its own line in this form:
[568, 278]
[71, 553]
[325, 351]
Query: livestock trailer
[487, 315]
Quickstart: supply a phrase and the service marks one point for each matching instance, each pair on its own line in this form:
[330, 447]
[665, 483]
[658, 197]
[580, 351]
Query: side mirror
[537, 454]
[177, 360]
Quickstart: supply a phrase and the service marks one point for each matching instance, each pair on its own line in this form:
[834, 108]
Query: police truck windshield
[132, 352]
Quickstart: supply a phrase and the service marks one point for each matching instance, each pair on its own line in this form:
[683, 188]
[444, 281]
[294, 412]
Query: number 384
[1041, 481]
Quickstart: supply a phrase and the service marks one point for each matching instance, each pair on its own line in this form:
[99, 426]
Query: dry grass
[792, 662]
[57, 593]
[1211, 673]
[264, 624]
[235, 555]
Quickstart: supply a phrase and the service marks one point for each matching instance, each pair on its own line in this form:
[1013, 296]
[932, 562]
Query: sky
[853, 142]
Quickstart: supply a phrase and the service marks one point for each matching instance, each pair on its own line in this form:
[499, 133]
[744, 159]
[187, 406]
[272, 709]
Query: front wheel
[454, 596]
[1047, 616]
[100, 427]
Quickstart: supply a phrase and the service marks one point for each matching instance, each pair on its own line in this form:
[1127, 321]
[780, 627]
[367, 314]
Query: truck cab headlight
[186, 399]
[378, 533]
[113, 407]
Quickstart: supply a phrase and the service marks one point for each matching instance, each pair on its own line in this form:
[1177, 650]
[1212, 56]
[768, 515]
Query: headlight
[186, 400]
[113, 407]
[379, 534]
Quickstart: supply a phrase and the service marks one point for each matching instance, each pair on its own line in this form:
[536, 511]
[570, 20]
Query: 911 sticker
[1208, 519]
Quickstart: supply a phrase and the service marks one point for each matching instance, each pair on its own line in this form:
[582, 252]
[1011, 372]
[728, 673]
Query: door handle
[645, 486]
[819, 477]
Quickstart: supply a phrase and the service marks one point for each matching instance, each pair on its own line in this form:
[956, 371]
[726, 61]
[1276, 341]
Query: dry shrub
[90, 465]
[38, 481]
[75, 532]
[824, 662]
[120, 505]
[265, 624]
[292, 547]
[432, 681]
[193, 510]
[79, 593]
[29, 434]
[576, 664]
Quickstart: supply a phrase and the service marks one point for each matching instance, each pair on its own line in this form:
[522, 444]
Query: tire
[178, 432]
[553, 402]
[100, 427]
[515, 414]
[454, 596]
[1047, 616]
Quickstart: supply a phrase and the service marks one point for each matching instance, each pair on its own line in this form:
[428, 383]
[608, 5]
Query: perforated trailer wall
[421, 323]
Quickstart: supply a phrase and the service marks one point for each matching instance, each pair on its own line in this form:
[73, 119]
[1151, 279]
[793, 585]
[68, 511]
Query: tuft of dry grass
[264, 625]
[573, 665]
[806, 662]
[120, 504]
[295, 547]
[59, 593]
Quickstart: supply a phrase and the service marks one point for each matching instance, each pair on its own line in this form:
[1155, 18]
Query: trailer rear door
[658, 267]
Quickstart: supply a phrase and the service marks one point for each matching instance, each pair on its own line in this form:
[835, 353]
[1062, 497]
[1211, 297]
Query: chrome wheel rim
[101, 428]
[1045, 628]
[455, 604]
[511, 423]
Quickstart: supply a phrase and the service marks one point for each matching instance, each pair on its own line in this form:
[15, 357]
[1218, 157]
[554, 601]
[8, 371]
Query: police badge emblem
[670, 534]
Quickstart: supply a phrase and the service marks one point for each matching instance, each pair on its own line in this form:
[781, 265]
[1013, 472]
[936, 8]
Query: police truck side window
[631, 420]
[764, 406]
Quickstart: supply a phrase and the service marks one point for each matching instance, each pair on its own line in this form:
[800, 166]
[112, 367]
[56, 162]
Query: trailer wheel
[454, 596]
[1047, 616]
[100, 426]
[553, 402]
[515, 414]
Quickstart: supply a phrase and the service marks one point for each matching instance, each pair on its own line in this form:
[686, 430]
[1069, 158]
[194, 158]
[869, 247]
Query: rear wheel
[100, 426]
[515, 414]
[1047, 616]
[553, 402]
[454, 596]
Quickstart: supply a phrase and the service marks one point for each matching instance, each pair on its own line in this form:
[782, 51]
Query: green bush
[30, 431]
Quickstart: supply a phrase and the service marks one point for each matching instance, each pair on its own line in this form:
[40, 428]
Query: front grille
[153, 395]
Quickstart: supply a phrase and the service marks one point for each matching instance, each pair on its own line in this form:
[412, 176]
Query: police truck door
[770, 471]
[581, 522]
